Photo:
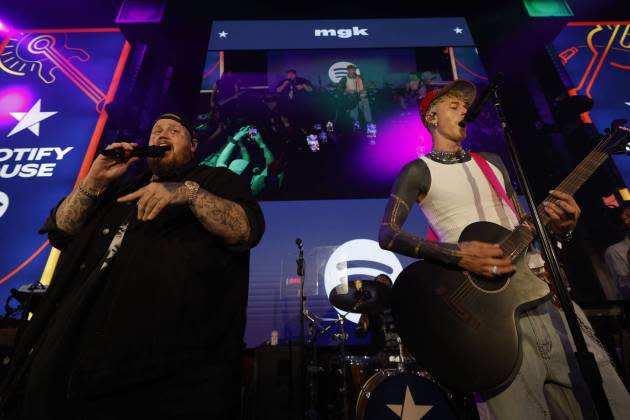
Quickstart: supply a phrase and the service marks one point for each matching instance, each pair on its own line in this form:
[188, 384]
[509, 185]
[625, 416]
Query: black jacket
[175, 295]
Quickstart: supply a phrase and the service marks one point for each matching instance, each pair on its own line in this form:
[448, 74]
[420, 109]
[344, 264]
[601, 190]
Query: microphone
[474, 111]
[298, 242]
[122, 154]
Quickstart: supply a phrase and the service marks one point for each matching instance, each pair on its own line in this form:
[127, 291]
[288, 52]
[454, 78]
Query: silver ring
[494, 270]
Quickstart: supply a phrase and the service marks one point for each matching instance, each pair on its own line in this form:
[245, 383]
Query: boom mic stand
[300, 273]
[585, 358]
[307, 372]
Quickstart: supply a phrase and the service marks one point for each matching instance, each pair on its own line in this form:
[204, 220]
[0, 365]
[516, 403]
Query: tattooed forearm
[393, 238]
[73, 211]
[222, 217]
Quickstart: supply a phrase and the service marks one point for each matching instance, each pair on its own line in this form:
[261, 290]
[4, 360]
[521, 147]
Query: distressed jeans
[548, 384]
[364, 106]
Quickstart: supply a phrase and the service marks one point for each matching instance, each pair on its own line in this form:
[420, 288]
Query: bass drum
[390, 394]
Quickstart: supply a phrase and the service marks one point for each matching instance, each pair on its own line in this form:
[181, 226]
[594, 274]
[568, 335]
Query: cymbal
[361, 296]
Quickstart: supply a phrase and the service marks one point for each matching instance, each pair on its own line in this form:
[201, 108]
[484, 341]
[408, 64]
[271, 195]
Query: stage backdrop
[596, 57]
[340, 236]
[340, 242]
[54, 85]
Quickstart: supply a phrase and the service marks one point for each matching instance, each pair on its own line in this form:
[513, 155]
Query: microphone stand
[586, 359]
[304, 368]
[300, 273]
[342, 347]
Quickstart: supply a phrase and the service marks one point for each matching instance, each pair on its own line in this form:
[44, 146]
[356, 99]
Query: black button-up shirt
[175, 295]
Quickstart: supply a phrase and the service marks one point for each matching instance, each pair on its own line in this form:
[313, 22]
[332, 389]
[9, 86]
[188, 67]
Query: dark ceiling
[75, 13]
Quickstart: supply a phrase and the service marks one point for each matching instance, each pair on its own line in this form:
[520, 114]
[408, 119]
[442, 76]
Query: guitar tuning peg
[615, 124]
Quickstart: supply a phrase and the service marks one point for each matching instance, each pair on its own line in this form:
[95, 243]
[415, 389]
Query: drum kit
[390, 385]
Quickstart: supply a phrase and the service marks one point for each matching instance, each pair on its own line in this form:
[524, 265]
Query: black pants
[207, 393]
[212, 399]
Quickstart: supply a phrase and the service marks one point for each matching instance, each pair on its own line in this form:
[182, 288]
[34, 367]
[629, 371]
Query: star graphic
[223, 34]
[409, 410]
[458, 30]
[30, 119]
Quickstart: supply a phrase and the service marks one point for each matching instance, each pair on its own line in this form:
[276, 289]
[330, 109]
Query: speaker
[278, 389]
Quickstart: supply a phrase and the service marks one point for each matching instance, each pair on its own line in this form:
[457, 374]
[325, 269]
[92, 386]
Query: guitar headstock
[617, 142]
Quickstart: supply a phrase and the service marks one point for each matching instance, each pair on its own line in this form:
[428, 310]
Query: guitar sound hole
[489, 284]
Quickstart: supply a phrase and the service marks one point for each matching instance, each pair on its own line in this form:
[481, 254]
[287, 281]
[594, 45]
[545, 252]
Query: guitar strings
[521, 237]
[589, 164]
[461, 289]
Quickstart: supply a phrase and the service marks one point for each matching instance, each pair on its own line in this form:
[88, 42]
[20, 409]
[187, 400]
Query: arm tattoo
[393, 238]
[413, 181]
[221, 217]
[73, 211]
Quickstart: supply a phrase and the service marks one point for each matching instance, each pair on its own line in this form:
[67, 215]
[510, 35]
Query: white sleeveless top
[459, 195]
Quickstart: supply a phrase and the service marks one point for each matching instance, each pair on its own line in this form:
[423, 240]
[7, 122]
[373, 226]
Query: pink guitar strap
[494, 182]
[431, 236]
[492, 179]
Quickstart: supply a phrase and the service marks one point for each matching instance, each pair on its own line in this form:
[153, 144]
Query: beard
[160, 168]
[166, 167]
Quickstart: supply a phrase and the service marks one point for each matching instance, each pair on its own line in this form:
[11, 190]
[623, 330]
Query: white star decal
[409, 410]
[458, 30]
[30, 119]
[223, 34]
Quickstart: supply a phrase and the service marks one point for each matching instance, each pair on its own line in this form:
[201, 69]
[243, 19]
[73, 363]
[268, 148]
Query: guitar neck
[521, 237]
[576, 179]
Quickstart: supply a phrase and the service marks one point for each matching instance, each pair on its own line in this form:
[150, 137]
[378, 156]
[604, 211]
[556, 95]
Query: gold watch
[191, 190]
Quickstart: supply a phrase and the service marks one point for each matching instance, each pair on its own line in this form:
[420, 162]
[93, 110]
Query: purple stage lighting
[14, 98]
[4, 28]
[399, 141]
[145, 11]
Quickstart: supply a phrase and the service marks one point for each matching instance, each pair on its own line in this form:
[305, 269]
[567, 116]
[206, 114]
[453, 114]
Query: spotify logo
[359, 259]
[339, 70]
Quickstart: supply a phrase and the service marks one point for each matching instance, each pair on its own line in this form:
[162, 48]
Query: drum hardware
[341, 339]
[373, 387]
[317, 329]
[376, 390]
[401, 356]
[389, 390]
[364, 298]
[361, 296]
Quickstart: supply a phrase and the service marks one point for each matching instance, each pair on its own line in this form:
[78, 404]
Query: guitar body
[463, 328]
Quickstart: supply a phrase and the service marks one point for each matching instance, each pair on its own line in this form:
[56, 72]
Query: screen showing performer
[330, 114]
